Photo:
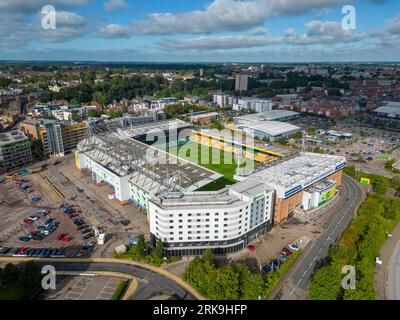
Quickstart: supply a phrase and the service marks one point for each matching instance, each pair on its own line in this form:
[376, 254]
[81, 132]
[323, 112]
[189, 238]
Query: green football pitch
[213, 159]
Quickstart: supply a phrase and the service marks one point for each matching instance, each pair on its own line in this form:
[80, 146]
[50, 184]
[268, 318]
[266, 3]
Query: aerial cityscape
[219, 150]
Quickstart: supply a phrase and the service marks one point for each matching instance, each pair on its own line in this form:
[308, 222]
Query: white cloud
[222, 42]
[114, 5]
[115, 31]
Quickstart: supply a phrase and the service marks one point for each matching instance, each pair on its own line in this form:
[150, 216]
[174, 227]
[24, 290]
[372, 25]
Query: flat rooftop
[211, 199]
[267, 116]
[273, 128]
[299, 172]
[11, 137]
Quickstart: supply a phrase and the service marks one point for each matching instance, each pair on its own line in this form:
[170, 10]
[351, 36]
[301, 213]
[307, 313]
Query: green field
[213, 159]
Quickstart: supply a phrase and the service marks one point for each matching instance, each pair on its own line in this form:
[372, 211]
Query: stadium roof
[148, 167]
[292, 176]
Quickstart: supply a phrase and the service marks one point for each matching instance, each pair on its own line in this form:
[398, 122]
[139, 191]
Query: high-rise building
[15, 151]
[58, 137]
[241, 82]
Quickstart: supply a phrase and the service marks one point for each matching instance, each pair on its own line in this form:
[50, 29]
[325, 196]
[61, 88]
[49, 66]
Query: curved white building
[225, 221]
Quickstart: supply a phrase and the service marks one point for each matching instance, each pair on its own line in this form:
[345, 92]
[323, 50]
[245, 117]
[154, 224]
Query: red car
[28, 221]
[73, 215]
[61, 236]
[66, 239]
[286, 251]
[251, 248]
[21, 251]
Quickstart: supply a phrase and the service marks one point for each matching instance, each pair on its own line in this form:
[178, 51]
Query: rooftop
[11, 136]
[273, 128]
[300, 172]
[267, 116]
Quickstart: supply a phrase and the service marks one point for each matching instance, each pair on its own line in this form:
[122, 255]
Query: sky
[201, 31]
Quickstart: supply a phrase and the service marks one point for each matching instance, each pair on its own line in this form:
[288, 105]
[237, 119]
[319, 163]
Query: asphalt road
[317, 250]
[393, 288]
[151, 284]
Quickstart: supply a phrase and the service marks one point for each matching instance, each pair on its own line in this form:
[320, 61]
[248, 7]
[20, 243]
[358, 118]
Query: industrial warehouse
[172, 191]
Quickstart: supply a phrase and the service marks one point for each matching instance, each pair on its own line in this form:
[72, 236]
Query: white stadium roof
[292, 176]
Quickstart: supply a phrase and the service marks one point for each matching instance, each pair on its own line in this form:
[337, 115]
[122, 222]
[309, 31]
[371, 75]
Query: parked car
[83, 226]
[286, 251]
[33, 217]
[276, 264]
[25, 239]
[88, 235]
[72, 216]
[266, 268]
[60, 236]
[293, 247]
[28, 221]
[85, 230]
[282, 257]
[66, 239]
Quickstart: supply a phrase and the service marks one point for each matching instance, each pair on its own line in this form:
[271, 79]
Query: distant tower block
[241, 82]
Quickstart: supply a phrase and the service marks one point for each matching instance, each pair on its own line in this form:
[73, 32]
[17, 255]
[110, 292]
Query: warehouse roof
[273, 128]
[267, 116]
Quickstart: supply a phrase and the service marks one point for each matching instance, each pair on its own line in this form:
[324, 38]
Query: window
[216, 219]
[215, 225]
[180, 238]
[180, 220]
[180, 215]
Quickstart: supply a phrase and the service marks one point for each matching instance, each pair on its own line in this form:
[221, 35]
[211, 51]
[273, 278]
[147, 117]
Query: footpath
[381, 272]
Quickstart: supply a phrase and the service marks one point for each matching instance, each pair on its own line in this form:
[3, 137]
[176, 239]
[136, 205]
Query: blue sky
[203, 31]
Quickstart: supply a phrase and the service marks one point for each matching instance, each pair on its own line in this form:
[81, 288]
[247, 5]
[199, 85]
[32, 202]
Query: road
[393, 284]
[151, 283]
[299, 275]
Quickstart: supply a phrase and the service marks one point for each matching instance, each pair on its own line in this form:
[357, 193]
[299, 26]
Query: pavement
[294, 285]
[393, 284]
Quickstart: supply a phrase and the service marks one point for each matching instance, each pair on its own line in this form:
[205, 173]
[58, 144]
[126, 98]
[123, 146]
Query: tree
[159, 250]
[250, 285]
[326, 283]
[141, 247]
[75, 116]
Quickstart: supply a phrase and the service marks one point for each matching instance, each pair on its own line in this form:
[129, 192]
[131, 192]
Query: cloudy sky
[198, 30]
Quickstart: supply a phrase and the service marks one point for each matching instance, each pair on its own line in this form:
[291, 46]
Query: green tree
[141, 247]
[326, 283]
[75, 116]
[159, 250]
